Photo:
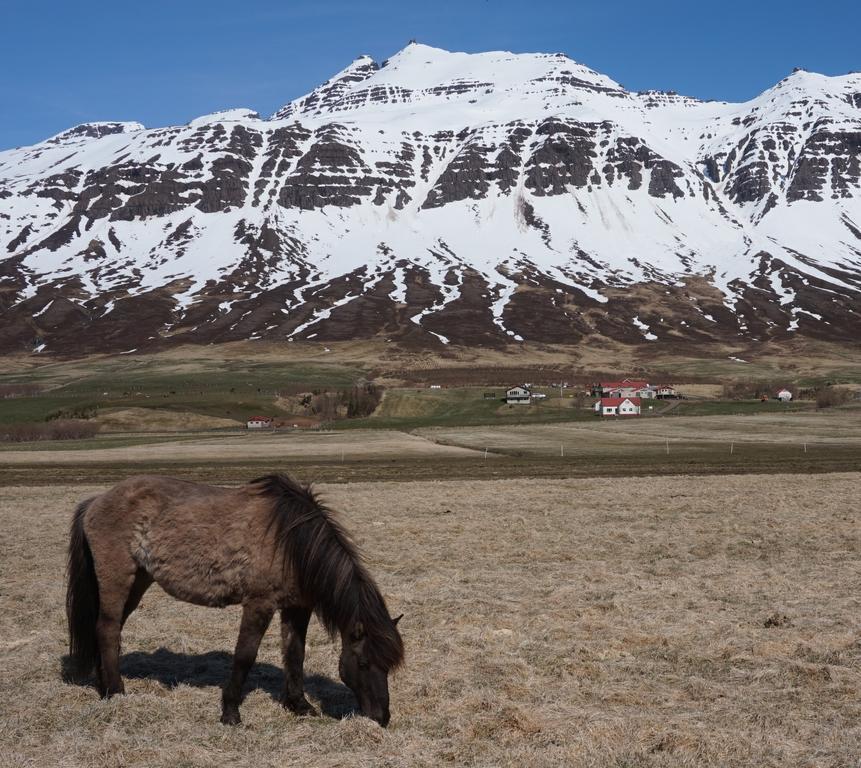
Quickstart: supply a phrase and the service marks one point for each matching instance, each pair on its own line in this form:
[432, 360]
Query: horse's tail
[82, 598]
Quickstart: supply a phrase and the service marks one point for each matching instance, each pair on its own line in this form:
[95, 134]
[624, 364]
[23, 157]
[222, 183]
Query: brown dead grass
[816, 428]
[707, 391]
[159, 420]
[800, 357]
[418, 404]
[647, 622]
[278, 446]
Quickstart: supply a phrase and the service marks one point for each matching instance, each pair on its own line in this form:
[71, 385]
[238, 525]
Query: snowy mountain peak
[331, 91]
[423, 65]
[240, 114]
[454, 87]
[87, 131]
[442, 197]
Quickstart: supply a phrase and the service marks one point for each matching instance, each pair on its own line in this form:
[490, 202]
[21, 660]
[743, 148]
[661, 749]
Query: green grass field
[238, 406]
[233, 389]
[224, 396]
[407, 409]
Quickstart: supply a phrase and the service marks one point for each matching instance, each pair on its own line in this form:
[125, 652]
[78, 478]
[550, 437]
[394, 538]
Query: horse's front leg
[294, 628]
[255, 621]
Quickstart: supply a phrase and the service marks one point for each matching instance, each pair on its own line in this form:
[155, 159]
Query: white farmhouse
[518, 395]
[784, 395]
[625, 388]
[618, 406]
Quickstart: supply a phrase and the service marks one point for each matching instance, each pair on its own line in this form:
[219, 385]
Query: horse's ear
[395, 621]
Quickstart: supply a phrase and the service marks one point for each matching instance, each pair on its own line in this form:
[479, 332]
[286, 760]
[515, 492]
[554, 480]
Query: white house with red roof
[259, 422]
[624, 388]
[618, 406]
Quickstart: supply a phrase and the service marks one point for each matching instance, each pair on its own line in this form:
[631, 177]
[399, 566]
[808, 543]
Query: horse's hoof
[301, 708]
[230, 718]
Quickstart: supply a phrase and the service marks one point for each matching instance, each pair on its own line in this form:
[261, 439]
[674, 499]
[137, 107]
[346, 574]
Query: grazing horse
[269, 545]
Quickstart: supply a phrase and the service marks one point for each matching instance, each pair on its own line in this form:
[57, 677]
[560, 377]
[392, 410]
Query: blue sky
[164, 62]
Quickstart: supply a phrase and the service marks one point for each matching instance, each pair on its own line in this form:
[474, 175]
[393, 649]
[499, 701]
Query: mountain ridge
[436, 198]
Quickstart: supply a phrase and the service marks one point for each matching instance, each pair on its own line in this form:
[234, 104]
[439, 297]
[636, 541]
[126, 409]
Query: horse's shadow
[211, 669]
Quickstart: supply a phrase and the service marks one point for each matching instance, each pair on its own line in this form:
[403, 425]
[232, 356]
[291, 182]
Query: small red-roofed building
[624, 388]
[259, 422]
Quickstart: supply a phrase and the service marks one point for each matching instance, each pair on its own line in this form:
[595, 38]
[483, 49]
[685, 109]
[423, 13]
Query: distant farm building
[624, 388]
[259, 422]
[784, 395]
[618, 406]
[666, 391]
[519, 395]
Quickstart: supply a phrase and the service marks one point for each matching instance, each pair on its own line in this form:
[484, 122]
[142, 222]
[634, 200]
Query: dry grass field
[808, 442]
[816, 429]
[625, 622]
[392, 363]
[158, 420]
[274, 446]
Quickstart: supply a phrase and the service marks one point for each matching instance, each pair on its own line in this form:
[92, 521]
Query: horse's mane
[328, 567]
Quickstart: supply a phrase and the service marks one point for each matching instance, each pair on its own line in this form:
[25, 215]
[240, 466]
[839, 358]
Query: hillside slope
[437, 198]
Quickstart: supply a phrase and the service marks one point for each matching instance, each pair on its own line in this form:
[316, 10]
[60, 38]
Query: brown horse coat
[190, 540]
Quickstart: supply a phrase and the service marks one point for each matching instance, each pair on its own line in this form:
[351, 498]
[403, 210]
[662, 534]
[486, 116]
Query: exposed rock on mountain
[445, 198]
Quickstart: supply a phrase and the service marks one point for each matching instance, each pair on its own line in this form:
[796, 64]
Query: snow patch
[645, 329]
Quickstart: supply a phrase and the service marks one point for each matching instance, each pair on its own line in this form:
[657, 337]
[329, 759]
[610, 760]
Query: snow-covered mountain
[437, 198]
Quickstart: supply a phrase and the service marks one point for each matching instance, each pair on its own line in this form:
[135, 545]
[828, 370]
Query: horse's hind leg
[143, 581]
[255, 622]
[116, 580]
[294, 628]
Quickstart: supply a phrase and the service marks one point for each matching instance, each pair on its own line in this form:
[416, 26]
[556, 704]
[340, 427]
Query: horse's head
[364, 673]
